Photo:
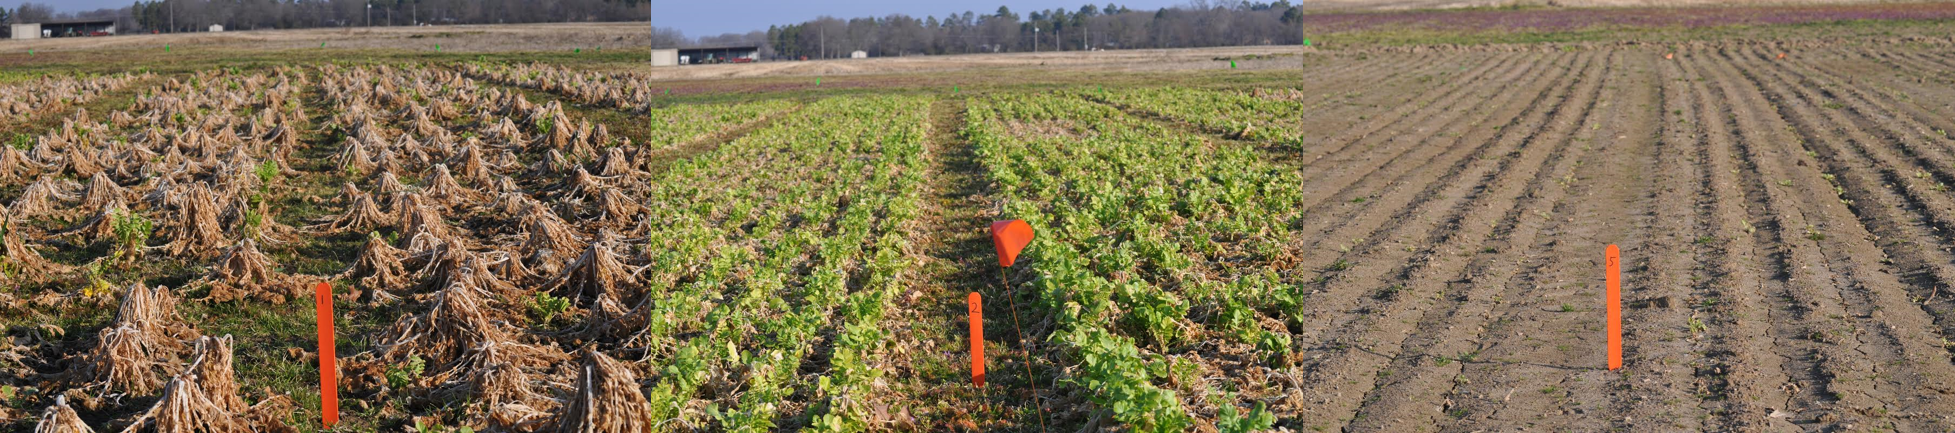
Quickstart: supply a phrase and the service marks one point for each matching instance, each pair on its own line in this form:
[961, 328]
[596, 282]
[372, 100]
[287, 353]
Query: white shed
[859, 54]
[665, 57]
[27, 31]
[216, 28]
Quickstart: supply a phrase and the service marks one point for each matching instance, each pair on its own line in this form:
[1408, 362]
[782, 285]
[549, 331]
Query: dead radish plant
[142, 346]
[204, 399]
[607, 399]
[245, 272]
[60, 418]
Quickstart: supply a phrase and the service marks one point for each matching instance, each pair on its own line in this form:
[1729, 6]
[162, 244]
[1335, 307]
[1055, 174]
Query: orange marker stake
[977, 340]
[1668, 56]
[1613, 262]
[328, 385]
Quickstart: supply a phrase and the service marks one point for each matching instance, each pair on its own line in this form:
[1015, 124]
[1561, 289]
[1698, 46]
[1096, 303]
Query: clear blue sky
[712, 17]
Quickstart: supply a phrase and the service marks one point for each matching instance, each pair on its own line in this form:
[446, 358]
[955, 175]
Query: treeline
[1199, 24]
[198, 15]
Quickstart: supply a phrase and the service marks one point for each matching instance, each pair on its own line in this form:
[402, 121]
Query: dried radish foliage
[47, 196]
[204, 400]
[378, 270]
[20, 260]
[193, 228]
[245, 272]
[442, 188]
[60, 418]
[102, 192]
[186, 408]
[506, 383]
[363, 214]
[607, 399]
[142, 346]
[598, 281]
[459, 319]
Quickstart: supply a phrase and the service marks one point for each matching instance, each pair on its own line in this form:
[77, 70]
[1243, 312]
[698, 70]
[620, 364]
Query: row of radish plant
[1267, 116]
[774, 241]
[1154, 244]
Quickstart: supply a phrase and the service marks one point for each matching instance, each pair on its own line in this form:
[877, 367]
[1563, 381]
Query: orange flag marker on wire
[328, 384]
[1781, 56]
[977, 339]
[1010, 237]
[1668, 56]
[1613, 264]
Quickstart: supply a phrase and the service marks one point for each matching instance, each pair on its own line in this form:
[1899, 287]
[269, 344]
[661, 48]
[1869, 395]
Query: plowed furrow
[1343, 74]
[1896, 76]
[1660, 391]
[1810, 278]
[1332, 87]
[1755, 358]
[1326, 176]
[1905, 74]
[1909, 370]
[1929, 66]
[1390, 219]
[1422, 389]
[1497, 387]
[1364, 92]
[1345, 219]
[1919, 134]
[1417, 267]
[1684, 155]
[1913, 215]
[1360, 141]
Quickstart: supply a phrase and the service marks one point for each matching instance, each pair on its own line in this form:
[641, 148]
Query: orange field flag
[1010, 237]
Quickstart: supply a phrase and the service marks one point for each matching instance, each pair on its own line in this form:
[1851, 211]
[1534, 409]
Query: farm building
[859, 54]
[726, 54]
[63, 29]
[665, 57]
[216, 28]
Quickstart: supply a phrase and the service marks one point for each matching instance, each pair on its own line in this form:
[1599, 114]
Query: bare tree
[190, 15]
[31, 12]
[667, 37]
[1196, 24]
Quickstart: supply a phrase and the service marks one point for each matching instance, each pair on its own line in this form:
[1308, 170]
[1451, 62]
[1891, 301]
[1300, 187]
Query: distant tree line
[168, 16]
[1200, 23]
